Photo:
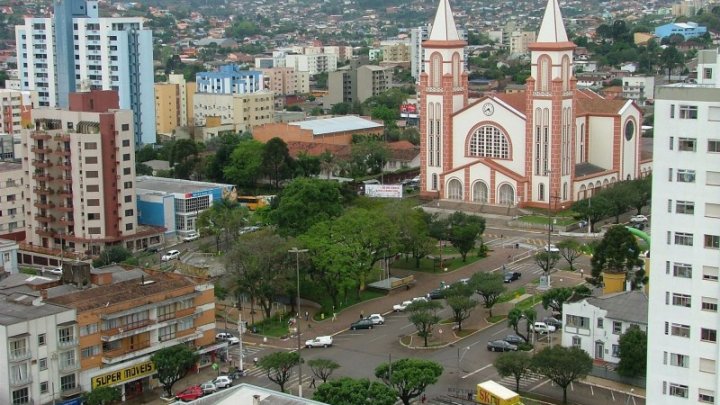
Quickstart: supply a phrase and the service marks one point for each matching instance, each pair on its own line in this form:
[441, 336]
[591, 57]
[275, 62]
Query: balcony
[123, 351]
[45, 205]
[41, 164]
[111, 335]
[16, 381]
[65, 193]
[65, 207]
[67, 366]
[67, 343]
[62, 138]
[19, 355]
[38, 149]
[64, 179]
[40, 136]
[45, 232]
[119, 355]
[42, 177]
[45, 218]
[62, 152]
[66, 221]
[65, 165]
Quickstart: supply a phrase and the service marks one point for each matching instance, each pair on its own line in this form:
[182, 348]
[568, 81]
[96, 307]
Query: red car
[190, 393]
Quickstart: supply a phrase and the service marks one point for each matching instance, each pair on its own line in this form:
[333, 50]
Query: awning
[221, 345]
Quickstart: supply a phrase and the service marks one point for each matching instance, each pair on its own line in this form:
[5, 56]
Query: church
[552, 143]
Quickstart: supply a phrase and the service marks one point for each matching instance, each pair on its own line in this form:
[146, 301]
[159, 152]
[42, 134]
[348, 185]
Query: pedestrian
[334, 316]
[307, 316]
[423, 399]
[362, 314]
[255, 361]
[312, 383]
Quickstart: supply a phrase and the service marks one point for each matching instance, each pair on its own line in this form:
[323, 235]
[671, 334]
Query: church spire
[552, 28]
[444, 28]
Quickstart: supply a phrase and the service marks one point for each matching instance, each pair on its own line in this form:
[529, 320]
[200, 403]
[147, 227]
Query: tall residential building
[80, 168]
[186, 92]
[417, 37]
[313, 64]
[229, 79]
[76, 49]
[15, 106]
[286, 81]
[39, 351]
[12, 201]
[395, 52]
[239, 112]
[519, 42]
[355, 83]
[683, 320]
[167, 108]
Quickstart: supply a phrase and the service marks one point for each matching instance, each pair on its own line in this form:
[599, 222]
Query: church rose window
[489, 141]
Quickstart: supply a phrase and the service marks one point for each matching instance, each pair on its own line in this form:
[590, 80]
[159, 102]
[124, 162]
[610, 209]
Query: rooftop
[10, 166]
[18, 307]
[337, 124]
[179, 186]
[629, 306]
[243, 394]
[585, 169]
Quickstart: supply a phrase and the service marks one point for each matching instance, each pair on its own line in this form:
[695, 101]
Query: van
[542, 328]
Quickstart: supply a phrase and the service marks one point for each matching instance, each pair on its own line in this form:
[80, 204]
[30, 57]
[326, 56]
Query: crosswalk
[499, 240]
[524, 267]
[249, 352]
[527, 383]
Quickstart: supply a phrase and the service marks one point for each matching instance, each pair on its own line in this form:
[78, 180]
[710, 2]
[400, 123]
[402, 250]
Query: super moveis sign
[130, 373]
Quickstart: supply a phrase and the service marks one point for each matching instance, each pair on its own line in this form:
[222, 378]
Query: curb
[612, 389]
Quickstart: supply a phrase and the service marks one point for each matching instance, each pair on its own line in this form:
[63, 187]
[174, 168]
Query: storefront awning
[221, 345]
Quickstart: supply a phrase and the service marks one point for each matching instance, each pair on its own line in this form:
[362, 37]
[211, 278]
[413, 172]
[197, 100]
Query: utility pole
[298, 317]
[240, 336]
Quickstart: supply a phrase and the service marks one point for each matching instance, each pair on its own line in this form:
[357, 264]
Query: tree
[103, 396]
[516, 315]
[245, 164]
[593, 209]
[349, 391]
[183, 155]
[368, 156]
[670, 58]
[323, 368]
[617, 252]
[306, 165]
[305, 202]
[423, 314]
[556, 297]
[633, 353]
[619, 197]
[278, 366]
[562, 365]
[546, 260]
[172, 364]
[570, 251]
[462, 230]
[276, 161]
[224, 217]
[489, 286]
[640, 193]
[413, 231]
[516, 364]
[113, 254]
[223, 147]
[409, 377]
[141, 169]
[458, 298]
[145, 154]
[340, 109]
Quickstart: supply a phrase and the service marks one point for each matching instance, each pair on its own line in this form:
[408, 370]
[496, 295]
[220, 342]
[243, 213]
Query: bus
[254, 202]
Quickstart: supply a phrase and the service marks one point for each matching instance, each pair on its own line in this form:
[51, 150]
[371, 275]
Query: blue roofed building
[687, 30]
[175, 204]
[229, 79]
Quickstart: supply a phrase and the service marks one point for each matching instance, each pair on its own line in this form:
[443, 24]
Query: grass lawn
[316, 293]
[276, 326]
[496, 318]
[512, 294]
[465, 332]
[543, 219]
[528, 302]
[432, 266]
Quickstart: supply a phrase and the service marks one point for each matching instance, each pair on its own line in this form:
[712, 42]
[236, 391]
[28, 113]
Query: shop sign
[126, 374]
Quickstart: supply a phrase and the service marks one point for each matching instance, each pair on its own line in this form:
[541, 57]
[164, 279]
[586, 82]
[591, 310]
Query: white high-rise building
[78, 50]
[683, 318]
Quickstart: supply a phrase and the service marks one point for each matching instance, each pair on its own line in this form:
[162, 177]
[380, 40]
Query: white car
[228, 337]
[320, 341]
[57, 271]
[542, 328]
[222, 381]
[376, 319]
[638, 219]
[552, 249]
[401, 306]
[191, 237]
[208, 388]
[170, 255]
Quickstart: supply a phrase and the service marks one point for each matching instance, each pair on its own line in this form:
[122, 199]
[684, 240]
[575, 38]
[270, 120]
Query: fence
[608, 373]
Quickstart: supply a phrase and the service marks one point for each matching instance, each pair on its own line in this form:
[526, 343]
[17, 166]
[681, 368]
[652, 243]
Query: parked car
[235, 373]
[320, 341]
[514, 339]
[56, 271]
[511, 276]
[190, 393]
[501, 346]
[436, 294]
[542, 328]
[191, 237]
[170, 255]
[223, 381]
[376, 319]
[638, 219]
[552, 249]
[208, 388]
[401, 306]
[556, 323]
[229, 337]
[362, 324]
[152, 249]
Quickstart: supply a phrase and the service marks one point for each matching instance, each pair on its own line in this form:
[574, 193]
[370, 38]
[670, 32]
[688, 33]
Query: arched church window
[506, 195]
[480, 192]
[454, 190]
[435, 70]
[456, 69]
[489, 141]
[566, 73]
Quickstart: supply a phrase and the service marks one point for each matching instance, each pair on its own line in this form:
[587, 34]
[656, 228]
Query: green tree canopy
[570, 251]
[516, 315]
[515, 364]
[323, 368]
[305, 202]
[349, 391]
[489, 286]
[462, 230]
[172, 364]
[278, 366]
[276, 161]
[556, 297]
[409, 377]
[562, 365]
[593, 209]
[245, 166]
[617, 252]
[423, 314]
[459, 299]
[103, 396]
[633, 353]
[113, 254]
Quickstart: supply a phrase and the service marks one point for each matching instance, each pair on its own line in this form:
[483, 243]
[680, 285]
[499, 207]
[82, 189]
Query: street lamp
[297, 318]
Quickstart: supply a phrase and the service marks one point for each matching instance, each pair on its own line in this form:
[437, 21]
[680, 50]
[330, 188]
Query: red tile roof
[515, 100]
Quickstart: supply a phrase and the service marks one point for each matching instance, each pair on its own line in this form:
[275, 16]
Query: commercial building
[356, 83]
[39, 358]
[687, 30]
[76, 49]
[12, 201]
[337, 130]
[595, 324]
[174, 204]
[685, 245]
[80, 184]
[229, 79]
[238, 112]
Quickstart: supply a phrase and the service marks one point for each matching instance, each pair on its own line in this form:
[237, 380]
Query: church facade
[551, 144]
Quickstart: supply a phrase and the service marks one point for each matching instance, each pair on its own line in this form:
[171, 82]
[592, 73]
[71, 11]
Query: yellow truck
[492, 393]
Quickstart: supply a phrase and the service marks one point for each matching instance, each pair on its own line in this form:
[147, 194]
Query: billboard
[384, 190]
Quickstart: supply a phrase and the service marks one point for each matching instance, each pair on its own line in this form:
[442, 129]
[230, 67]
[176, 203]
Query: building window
[713, 145]
[88, 329]
[167, 333]
[129, 213]
[128, 227]
[616, 351]
[617, 327]
[687, 144]
[576, 341]
[91, 174]
[92, 188]
[710, 273]
[681, 300]
[41, 339]
[578, 321]
[42, 364]
[682, 270]
[91, 351]
[125, 127]
[18, 348]
[91, 145]
[685, 207]
[93, 202]
[455, 190]
[706, 396]
[128, 198]
[712, 241]
[686, 176]
[683, 239]
[489, 141]
[707, 73]
[67, 382]
[707, 366]
[67, 359]
[679, 360]
[672, 110]
[66, 335]
[688, 112]
[44, 387]
[600, 323]
[708, 335]
[91, 159]
[127, 185]
[126, 171]
[678, 390]
[21, 396]
[126, 157]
